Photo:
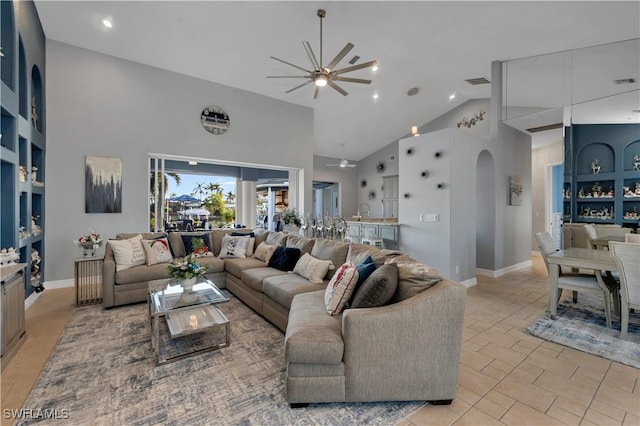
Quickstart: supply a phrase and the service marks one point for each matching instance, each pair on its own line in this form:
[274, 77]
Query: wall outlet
[430, 217]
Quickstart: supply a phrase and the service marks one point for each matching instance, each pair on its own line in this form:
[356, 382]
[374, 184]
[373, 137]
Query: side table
[88, 280]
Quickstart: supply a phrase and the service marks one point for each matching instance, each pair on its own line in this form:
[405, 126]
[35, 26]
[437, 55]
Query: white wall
[102, 105]
[540, 159]
[367, 170]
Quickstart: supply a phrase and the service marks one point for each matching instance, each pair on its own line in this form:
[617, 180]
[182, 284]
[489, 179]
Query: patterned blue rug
[582, 326]
[102, 371]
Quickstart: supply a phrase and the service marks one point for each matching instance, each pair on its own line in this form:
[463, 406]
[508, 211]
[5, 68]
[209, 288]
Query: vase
[88, 252]
[188, 283]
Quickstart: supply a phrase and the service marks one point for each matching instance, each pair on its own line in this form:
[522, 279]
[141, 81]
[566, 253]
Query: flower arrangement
[186, 268]
[90, 241]
[291, 217]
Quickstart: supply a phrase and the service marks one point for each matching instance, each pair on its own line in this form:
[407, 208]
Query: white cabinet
[387, 231]
[12, 310]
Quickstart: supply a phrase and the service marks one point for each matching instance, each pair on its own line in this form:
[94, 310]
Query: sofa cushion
[264, 251]
[283, 288]
[335, 251]
[378, 289]
[359, 252]
[261, 235]
[141, 273]
[235, 265]
[128, 252]
[176, 245]
[157, 251]
[304, 244]
[312, 336]
[233, 246]
[413, 278]
[312, 269]
[212, 263]
[277, 238]
[284, 258]
[340, 288]
[254, 277]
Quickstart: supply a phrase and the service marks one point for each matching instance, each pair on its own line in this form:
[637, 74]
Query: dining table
[577, 258]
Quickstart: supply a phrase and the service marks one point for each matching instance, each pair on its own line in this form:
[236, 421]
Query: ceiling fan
[343, 163]
[325, 75]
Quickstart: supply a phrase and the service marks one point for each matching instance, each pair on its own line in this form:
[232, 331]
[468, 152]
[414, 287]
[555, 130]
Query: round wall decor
[215, 120]
[363, 183]
[372, 195]
[381, 167]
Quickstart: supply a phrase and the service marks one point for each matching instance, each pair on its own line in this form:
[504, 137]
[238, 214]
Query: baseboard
[470, 282]
[48, 285]
[501, 272]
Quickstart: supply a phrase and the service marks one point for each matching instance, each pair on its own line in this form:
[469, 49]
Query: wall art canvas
[515, 190]
[103, 185]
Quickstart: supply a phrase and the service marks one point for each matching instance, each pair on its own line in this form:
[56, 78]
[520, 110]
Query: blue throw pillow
[365, 268]
[284, 258]
[188, 242]
[243, 234]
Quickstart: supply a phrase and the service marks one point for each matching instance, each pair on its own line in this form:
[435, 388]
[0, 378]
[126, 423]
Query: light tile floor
[505, 377]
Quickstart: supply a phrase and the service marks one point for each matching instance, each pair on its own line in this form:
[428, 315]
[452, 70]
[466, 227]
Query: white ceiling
[434, 46]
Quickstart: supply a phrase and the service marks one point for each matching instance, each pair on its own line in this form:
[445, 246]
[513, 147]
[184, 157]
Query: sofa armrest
[408, 350]
[108, 277]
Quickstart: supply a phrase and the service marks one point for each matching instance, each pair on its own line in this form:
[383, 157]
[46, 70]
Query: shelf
[39, 190]
[596, 200]
[596, 178]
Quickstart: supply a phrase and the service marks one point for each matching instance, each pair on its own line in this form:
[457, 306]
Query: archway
[485, 211]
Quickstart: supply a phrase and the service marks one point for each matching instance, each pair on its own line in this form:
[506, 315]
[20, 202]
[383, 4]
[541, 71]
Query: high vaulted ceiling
[433, 46]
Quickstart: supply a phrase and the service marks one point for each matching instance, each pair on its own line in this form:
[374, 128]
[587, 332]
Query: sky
[189, 182]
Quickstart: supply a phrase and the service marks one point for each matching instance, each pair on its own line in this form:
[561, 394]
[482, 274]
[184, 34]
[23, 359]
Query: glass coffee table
[185, 323]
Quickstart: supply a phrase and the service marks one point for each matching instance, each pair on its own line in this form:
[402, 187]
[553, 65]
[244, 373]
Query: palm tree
[230, 197]
[164, 185]
[214, 187]
[199, 190]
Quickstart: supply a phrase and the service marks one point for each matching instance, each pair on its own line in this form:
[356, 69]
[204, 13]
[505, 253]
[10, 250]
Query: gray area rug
[582, 326]
[103, 372]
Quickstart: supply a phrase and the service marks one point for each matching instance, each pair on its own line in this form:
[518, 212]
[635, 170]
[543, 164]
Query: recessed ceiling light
[193, 163]
[375, 96]
[374, 68]
[452, 96]
[107, 23]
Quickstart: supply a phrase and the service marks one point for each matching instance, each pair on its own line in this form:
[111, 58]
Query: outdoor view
[194, 201]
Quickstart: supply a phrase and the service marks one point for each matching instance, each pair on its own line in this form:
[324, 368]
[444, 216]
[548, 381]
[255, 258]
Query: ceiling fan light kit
[326, 75]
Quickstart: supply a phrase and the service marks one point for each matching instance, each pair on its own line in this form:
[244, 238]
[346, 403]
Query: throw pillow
[277, 238]
[340, 288]
[157, 251]
[414, 278]
[365, 268]
[234, 246]
[197, 244]
[128, 252]
[252, 241]
[284, 258]
[311, 268]
[264, 252]
[378, 289]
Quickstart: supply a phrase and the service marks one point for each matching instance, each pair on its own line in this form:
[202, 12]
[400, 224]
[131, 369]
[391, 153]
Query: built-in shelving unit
[601, 184]
[23, 141]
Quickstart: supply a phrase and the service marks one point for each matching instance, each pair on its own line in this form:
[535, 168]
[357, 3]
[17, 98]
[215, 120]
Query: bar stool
[376, 242]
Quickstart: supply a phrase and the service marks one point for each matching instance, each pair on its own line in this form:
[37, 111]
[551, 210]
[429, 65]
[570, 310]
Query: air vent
[354, 59]
[625, 81]
[392, 158]
[544, 128]
[476, 81]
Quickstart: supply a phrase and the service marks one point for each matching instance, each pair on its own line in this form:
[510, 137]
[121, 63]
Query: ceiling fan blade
[355, 67]
[332, 165]
[299, 86]
[338, 88]
[312, 57]
[351, 165]
[315, 92]
[352, 80]
[288, 76]
[290, 64]
[340, 55]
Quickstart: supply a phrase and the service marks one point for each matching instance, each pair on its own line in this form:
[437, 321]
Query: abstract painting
[515, 190]
[103, 185]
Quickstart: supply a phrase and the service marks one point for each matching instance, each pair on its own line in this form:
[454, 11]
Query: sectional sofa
[407, 350]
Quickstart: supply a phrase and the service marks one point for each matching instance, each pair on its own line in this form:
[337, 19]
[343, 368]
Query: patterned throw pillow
[128, 253]
[157, 251]
[264, 252]
[234, 246]
[312, 269]
[198, 245]
[340, 288]
[378, 289]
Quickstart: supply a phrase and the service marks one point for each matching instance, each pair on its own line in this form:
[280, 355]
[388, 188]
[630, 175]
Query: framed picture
[103, 185]
[515, 190]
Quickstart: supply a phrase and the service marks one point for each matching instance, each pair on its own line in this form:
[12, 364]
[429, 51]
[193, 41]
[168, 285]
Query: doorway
[485, 211]
[553, 211]
[326, 199]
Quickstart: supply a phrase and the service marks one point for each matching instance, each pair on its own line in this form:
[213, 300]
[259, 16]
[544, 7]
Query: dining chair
[587, 283]
[592, 235]
[632, 238]
[626, 256]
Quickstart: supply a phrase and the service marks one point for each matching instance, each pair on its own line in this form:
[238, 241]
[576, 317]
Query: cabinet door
[12, 312]
[389, 235]
[370, 231]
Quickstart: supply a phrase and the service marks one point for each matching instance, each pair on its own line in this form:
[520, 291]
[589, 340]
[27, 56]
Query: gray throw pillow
[414, 278]
[378, 289]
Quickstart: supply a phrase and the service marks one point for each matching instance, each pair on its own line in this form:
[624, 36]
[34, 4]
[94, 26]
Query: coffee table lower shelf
[188, 332]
